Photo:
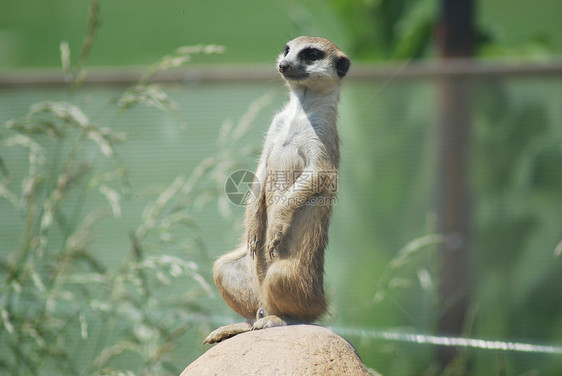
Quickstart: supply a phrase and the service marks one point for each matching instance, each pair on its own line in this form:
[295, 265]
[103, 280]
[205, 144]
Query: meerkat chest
[292, 143]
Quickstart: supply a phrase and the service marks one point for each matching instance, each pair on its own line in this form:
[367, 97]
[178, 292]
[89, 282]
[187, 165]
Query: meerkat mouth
[295, 76]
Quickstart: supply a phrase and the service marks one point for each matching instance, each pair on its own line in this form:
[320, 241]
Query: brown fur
[277, 274]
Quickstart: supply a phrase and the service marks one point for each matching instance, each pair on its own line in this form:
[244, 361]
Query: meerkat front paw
[253, 243]
[275, 235]
[274, 242]
[254, 228]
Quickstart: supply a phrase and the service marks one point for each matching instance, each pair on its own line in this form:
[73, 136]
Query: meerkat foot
[268, 322]
[225, 332]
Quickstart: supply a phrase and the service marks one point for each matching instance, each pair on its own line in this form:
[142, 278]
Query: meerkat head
[312, 61]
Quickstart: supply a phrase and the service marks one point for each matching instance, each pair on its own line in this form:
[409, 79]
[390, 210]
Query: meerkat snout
[292, 71]
[283, 66]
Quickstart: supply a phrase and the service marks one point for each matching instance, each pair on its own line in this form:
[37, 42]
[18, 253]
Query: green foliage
[405, 29]
[66, 310]
[385, 281]
[517, 141]
[386, 29]
[53, 285]
[153, 95]
[514, 182]
[57, 296]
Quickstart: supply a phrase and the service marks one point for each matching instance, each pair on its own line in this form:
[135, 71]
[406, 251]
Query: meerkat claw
[272, 247]
[252, 245]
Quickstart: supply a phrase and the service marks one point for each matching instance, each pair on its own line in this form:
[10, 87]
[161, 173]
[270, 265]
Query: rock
[302, 350]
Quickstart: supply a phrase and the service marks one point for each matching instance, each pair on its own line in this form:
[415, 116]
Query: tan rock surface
[303, 350]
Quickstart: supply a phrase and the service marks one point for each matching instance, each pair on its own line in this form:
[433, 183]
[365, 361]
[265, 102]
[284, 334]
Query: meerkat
[276, 276]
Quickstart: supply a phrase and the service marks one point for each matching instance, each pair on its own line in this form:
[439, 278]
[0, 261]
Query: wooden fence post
[455, 39]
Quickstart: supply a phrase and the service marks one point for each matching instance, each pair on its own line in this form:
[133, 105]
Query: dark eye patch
[312, 54]
[286, 50]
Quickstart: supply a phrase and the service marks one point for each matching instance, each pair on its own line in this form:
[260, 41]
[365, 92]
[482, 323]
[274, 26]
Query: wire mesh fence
[104, 196]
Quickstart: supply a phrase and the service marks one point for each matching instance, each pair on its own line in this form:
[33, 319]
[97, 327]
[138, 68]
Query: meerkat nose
[283, 66]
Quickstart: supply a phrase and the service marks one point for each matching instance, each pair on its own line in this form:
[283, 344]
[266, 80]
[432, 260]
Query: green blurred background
[138, 32]
[382, 262]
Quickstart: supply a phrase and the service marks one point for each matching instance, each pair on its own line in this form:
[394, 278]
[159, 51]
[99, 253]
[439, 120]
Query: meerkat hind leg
[225, 332]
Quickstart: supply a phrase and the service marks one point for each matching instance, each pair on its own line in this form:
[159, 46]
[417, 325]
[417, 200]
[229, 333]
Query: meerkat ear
[342, 66]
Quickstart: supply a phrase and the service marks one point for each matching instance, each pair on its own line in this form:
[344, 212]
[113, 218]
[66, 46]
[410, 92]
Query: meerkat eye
[286, 50]
[312, 54]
